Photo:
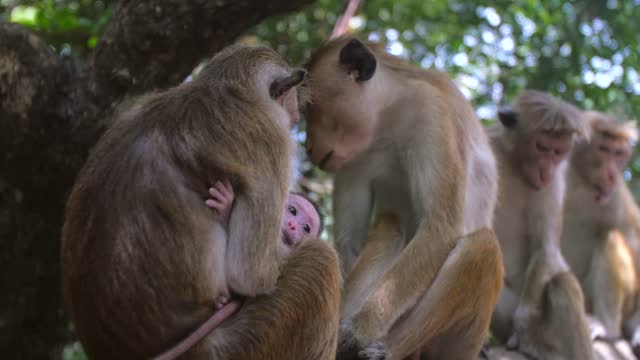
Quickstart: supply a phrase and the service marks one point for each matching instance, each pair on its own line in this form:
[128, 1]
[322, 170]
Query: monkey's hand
[221, 200]
[521, 319]
[349, 347]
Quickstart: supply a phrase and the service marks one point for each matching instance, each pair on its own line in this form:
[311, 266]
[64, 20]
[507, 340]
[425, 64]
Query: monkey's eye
[619, 153]
[306, 228]
[293, 210]
[541, 147]
[604, 149]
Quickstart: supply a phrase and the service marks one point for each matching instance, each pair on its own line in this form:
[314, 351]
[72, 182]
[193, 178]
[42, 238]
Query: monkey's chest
[391, 197]
[511, 227]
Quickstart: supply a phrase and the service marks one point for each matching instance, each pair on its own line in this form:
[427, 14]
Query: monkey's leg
[382, 247]
[606, 298]
[550, 320]
[451, 320]
[298, 320]
[612, 280]
[565, 321]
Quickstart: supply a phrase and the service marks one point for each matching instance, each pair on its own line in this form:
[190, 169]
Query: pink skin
[610, 157]
[542, 152]
[300, 222]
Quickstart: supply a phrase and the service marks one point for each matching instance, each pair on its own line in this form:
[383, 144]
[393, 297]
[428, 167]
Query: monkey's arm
[543, 239]
[438, 198]
[352, 204]
[305, 303]
[255, 229]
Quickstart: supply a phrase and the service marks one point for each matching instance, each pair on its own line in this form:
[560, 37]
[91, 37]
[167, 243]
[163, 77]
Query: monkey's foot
[349, 349]
[374, 351]
[221, 301]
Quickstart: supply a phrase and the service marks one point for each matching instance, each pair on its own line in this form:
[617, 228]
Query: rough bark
[53, 108]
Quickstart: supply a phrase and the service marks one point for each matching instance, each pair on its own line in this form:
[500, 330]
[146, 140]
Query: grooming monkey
[541, 308]
[411, 157]
[601, 231]
[144, 262]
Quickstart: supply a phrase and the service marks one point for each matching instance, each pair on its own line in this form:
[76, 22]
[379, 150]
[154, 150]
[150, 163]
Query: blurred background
[585, 52]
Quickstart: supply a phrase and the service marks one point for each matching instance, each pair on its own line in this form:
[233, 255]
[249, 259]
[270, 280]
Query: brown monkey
[405, 142]
[602, 220]
[143, 260]
[541, 306]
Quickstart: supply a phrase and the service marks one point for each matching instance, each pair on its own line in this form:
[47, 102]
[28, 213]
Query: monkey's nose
[292, 225]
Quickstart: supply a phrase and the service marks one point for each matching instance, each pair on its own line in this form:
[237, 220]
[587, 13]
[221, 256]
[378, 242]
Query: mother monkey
[145, 262]
[405, 142]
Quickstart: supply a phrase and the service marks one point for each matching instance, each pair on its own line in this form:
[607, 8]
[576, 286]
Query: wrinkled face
[608, 157]
[301, 221]
[539, 155]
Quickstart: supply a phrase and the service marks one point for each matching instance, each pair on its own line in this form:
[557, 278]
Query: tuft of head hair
[612, 126]
[379, 49]
[538, 110]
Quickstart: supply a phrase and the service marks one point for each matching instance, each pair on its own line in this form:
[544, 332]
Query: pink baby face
[301, 221]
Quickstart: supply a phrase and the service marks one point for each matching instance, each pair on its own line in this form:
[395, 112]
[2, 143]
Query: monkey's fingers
[216, 204]
[218, 195]
[226, 190]
[229, 188]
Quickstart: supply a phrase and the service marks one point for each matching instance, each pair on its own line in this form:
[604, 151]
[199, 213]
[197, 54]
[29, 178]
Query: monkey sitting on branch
[541, 311]
[143, 261]
[411, 158]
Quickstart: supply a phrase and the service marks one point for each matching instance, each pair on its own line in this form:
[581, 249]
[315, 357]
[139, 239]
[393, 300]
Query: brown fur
[601, 241]
[144, 260]
[540, 311]
[406, 143]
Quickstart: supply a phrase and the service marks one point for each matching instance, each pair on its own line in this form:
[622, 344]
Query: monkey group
[182, 239]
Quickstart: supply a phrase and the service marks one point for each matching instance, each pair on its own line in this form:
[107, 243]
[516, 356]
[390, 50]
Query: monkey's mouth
[325, 159]
[601, 195]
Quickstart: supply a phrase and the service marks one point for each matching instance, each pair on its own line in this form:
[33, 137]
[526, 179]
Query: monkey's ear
[358, 59]
[508, 117]
[281, 85]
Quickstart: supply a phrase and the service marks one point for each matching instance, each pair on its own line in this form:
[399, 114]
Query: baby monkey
[301, 221]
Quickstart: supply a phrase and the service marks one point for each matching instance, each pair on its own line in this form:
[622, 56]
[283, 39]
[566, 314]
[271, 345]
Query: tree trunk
[53, 108]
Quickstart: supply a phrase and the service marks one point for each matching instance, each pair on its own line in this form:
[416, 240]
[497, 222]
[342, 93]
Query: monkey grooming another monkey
[541, 308]
[411, 157]
[602, 222]
[143, 260]
[301, 220]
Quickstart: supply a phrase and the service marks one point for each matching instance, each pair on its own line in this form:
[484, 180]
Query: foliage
[583, 51]
[67, 25]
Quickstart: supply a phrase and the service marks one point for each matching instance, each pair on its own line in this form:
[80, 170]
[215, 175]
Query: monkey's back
[136, 225]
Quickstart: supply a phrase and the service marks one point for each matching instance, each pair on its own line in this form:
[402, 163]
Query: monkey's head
[540, 130]
[342, 111]
[606, 155]
[257, 67]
